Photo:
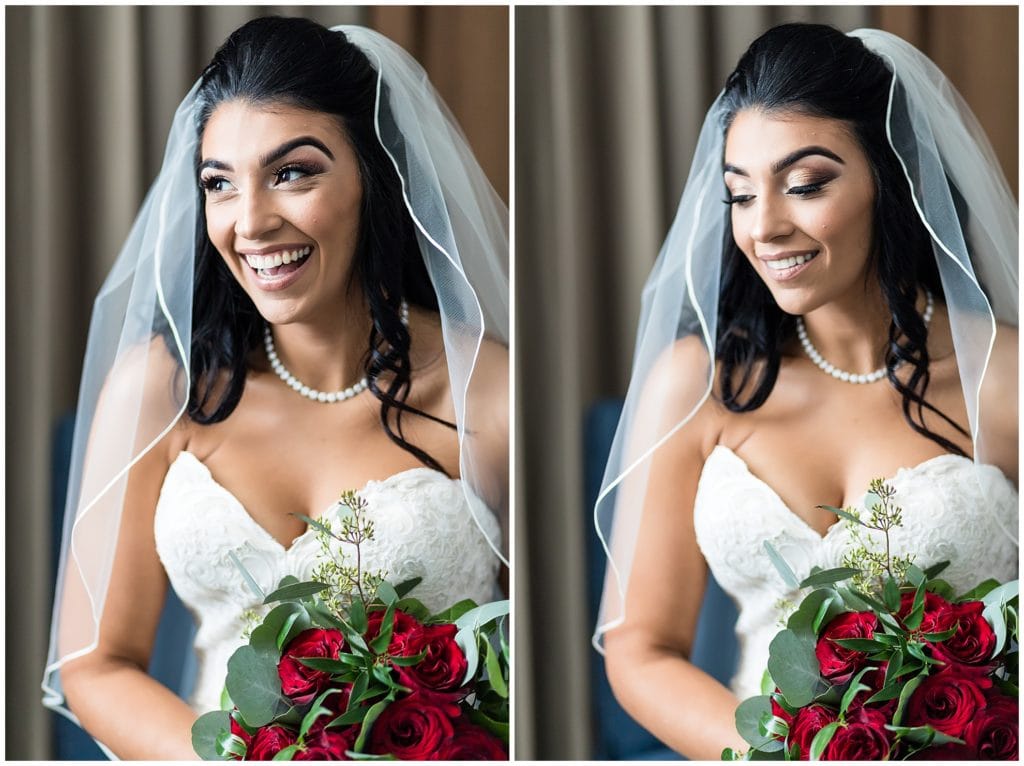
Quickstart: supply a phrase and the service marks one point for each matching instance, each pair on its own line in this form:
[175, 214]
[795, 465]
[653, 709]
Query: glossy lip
[275, 284]
[786, 275]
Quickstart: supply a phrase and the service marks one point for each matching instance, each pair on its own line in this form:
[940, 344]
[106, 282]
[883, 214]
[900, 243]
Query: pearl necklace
[311, 393]
[850, 377]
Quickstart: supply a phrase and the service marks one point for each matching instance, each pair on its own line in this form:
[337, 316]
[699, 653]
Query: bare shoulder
[680, 387]
[150, 379]
[999, 401]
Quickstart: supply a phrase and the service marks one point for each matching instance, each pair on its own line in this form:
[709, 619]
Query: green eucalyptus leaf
[408, 662]
[821, 740]
[855, 688]
[925, 736]
[1002, 594]
[783, 568]
[495, 727]
[380, 644]
[794, 667]
[891, 594]
[295, 591]
[494, 674]
[843, 514]
[403, 588]
[286, 753]
[478, 617]
[353, 755]
[870, 501]
[886, 693]
[206, 730]
[913, 620]
[264, 636]
[803, 619]
[354, 637]
[357, 616]
[936, 638]
[254, 684]
[326, 664]
[905, 694]
[915, 575]
[387, 593]
[231, 746]
[935, 570]
[371, 715]
[749, 715]
[413, 608]
[249, 581]
[466, 639]
[316, 710]
[916, 651]
[317, 525]
[993, 612]
[351, 716]
[860, 644]
[359, 687]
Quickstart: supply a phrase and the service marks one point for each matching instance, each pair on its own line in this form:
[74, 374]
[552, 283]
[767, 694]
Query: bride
[850, 314]
[313, 298]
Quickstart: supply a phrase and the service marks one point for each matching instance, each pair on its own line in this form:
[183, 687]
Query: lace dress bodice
[948, 515]
[422, 528]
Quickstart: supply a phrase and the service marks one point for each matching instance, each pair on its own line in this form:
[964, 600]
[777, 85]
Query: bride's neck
[327, 353]
[852, 333]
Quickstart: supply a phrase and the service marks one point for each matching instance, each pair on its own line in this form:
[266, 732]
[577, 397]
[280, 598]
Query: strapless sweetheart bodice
[423, 527]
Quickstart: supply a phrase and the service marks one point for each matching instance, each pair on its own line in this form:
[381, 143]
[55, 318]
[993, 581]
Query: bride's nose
[257, 215]
[770, 219]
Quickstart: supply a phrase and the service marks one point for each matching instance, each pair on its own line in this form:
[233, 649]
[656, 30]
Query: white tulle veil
[959, 193]
[131, 395]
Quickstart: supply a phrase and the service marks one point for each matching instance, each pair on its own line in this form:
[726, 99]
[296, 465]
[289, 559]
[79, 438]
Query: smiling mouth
[279, 264]
[784, 264]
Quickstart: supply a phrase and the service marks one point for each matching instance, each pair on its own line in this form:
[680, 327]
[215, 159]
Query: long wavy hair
[816, 70]
[298, 62]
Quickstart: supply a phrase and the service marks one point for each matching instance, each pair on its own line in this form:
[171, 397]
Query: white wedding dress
[947, 515]
[422, 528]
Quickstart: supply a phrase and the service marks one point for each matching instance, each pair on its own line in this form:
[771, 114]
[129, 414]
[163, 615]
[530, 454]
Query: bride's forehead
[758, 136]
[239, 126]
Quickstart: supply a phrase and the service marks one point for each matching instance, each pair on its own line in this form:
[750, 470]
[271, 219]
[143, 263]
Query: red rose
[938, 613]
[974, 640]
[837, 663]
[951, 751]
[947, 701]
[863, 738]
[402, 625]
[443, 667]
[411, 729]
[302, 683]
[329, 745]
[269, 741]
[993, 731]
[807, 722]
[472, 743]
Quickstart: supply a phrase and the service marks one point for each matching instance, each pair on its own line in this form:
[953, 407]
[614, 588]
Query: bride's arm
[647, 656]
[109, 689]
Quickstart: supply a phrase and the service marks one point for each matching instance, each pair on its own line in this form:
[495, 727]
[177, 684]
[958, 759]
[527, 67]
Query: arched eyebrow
[274, 155]
[789, 159]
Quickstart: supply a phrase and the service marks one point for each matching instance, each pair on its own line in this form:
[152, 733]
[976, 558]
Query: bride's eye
[737, 199]
[295, 172]
[214, 184]
[809, 188]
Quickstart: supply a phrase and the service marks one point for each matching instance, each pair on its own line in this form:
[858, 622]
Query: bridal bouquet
[882, 661]
[349, 667]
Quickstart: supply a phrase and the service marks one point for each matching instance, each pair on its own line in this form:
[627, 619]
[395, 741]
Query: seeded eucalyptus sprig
[344, 577]
[875, 565]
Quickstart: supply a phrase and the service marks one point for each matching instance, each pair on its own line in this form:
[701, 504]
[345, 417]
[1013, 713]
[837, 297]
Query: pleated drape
[90, 96]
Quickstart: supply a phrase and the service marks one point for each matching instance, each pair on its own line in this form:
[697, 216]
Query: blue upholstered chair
[172, 662]
[616, 735]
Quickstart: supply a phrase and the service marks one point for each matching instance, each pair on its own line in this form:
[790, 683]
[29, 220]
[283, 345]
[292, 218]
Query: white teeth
[787, 263]
[278, 259]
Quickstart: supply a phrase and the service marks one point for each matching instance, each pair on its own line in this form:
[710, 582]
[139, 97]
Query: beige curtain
[608, 105]
[90, 96]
